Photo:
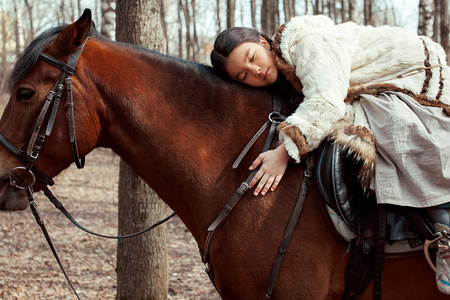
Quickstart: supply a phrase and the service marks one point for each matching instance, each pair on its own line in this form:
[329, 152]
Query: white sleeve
[323, 66]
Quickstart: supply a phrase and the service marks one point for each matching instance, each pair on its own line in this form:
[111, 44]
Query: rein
[24, 177]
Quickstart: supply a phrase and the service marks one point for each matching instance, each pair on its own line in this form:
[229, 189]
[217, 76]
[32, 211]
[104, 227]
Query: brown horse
[180, 127]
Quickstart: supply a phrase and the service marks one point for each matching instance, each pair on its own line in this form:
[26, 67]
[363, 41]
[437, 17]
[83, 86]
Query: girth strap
[307, 175]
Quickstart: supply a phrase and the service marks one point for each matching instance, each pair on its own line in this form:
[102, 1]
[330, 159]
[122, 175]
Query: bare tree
[18, 25]
[332, 9]
[164, 24]
[253, 12]
[29, 8]
[141, 261]
[309, 10]
[180, 30]
[189, 41]
[426, 18]
[230, 13]
[195, 45]
[444, 26]
[289, 9]
[108, 26]
[5, 39]
[270, 19]
[352, 10]
[368, 6]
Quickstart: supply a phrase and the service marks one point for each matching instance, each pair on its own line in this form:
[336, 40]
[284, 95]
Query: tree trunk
[108, 26]
[289, 9]
[4, 55]
[426, 18]
[142, 260]
[309, 7]
[189, 42]
[164, 25]
[368, 4]
[230, 13]
[195, 45]
[18, 25]
[444, 26]
[180, 30]
[253, 12]
[270, 19]
[29, 8]
[352, 10]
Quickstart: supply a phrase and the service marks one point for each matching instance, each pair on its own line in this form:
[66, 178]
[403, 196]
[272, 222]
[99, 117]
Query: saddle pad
[336, 178]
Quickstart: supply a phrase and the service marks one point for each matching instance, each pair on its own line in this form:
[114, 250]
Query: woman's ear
[263, 42]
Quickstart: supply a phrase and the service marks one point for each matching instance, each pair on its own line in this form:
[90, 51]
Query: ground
[29, 271]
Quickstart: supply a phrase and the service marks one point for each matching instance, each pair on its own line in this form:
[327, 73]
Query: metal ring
[273, 116]
[13, 181]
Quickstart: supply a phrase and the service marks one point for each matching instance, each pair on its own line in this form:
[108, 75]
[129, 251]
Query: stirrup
[442, 268]
[442, 234]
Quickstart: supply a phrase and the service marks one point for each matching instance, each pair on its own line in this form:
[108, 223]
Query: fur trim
[295, 141]
[358, 142]
[375, 89]
[287, 70]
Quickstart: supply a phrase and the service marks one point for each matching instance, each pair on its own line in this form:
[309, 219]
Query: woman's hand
[273, 165]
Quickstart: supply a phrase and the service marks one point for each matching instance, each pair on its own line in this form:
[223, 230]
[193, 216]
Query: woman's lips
[266, 74]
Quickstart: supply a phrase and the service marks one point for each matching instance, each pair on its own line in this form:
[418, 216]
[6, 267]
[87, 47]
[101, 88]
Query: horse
[180, 127]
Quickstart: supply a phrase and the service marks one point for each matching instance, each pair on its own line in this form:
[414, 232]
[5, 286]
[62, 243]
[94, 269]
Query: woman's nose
[256, 71]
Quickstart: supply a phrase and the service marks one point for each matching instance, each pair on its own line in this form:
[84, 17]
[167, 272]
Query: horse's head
[26, 118]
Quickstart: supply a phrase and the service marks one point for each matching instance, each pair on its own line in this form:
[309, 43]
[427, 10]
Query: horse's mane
[28, 57]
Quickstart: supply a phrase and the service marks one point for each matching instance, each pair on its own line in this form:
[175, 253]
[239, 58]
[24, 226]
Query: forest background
[190, 26]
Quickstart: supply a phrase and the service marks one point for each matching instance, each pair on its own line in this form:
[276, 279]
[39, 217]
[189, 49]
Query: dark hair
[229, 39]
[232, 37]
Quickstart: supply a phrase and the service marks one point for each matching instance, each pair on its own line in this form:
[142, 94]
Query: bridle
[24, 177]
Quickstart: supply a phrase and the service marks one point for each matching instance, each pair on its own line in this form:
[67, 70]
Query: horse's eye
[24, 94]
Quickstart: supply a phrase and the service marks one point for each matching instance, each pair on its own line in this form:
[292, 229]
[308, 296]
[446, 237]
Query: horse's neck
[180, 131]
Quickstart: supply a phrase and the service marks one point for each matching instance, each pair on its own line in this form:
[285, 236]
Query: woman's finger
[267, 185]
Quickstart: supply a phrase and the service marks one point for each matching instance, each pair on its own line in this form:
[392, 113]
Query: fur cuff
[294, 141]
[359, 143]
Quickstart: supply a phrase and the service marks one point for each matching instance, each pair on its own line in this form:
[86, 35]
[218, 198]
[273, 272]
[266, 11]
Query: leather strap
[70, 116]
[292, 223]
[20, 156]
[119, 237]
[379, 252]
[40, 222]
[215, 225]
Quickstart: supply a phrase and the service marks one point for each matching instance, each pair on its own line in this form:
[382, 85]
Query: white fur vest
[330, 64]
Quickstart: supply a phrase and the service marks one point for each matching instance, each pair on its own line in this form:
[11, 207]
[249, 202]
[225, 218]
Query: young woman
[402, 84]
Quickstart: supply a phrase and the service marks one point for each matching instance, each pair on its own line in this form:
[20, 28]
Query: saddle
[356, 207]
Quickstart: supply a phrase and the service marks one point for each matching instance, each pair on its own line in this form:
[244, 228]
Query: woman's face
[252, 64]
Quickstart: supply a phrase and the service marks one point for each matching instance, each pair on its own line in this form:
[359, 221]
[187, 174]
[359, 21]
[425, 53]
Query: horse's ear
[83, 25]
[72, 36]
